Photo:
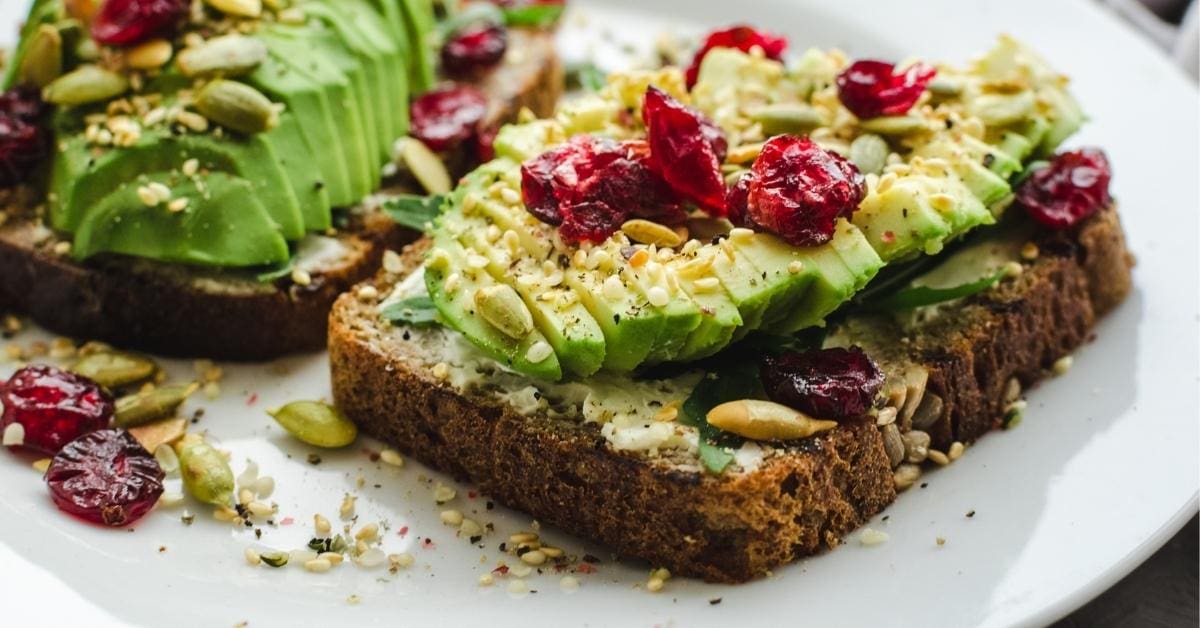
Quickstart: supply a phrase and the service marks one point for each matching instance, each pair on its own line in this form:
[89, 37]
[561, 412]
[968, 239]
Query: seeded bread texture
[181, 311]
[736, 527]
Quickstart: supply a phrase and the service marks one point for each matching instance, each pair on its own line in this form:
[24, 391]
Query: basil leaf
[920, 296]
[418, 311]
[414, 211]
[539, 15]
[731, 383]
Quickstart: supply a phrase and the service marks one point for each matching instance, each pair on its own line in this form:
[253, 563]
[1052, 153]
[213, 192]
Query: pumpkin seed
[765, 420]
[915, 379]
[43, 60]
[427, 168]
[928, 412]
[274, 559]
[893, 125]
[1001, 109]
[155, 435]
[238, 8]
[869, 152]
[893, 444]
[113, 369]
[85, 85]
[916, 446]
[237, 106]
[647, 232]
[206, 473]
[149, 55]
[167, 459]
[786, 118]
[228, 56]
[501, 306]
[152, 405]
[315, 423]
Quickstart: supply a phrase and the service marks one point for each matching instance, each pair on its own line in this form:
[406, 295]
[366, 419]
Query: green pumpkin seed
[275, 559]
[942, 87]
[85, 85]
[1002, 109]
[237, 106]
[206, 473]
[43, 60]
[152, 405]
[427, 168]
[316, 423]
[894, 125]
[869, 152]
[113, 369]
[228, 56]
[786, 118]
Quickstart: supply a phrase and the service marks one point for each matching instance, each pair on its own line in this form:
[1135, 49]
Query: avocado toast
[781, 394]
[211, 189]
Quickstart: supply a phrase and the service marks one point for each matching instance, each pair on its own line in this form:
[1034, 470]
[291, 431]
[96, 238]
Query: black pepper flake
[314, 459]
[988, 160]
[522, 550]
[886, 517]
[258, 533]
[714, 601]
[490, 505]
[588, 558]
[475, 539]
[503, 547]
[970, 514]
[924, 484]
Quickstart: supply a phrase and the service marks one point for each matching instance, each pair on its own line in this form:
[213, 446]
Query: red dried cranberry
[447, 116]
[741, 37]
[737, 199]
[24, 143]
[870, 89]
[828, 384]
[589, 186]
[126, 22]
[54, 406]
[1073, 187]
[106, 477]
[474, 49]
[686, 148]
[799, 190]
[485, 144]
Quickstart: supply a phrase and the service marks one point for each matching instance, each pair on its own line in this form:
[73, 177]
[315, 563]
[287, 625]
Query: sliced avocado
[290, 47]
[420, 25]
[42, 12]
[80, 179]
[300, 164]
[630, 325]
[395, 59]
[900, 222]
[307, 101]
[719, 320]
[224, 225]
[773, 259]
[456, 305]
[987, 186]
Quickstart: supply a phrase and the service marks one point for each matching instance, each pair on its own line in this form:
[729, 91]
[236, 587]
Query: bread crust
[178, 311]
[739, 526]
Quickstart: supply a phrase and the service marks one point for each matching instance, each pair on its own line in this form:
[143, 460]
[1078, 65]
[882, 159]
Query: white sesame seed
[569, 583]
[301, 277]
[533, 557]
[391, 457]
[654, 585]
[368, 532]
[486, 580]
[367, 293]
[252, 557]
[62, 249]
[452, 282]
[441, 370]
[477, 262]
[1063, 364]
[956, 450]
[190, 167]
[318, 565]
[871, 536]
[334, 558]
[938, 458]
[147, 196]
[613, 288]
[510, 196]
[14, 435]
[443, 493]
[470, 528]
[392, 262]
[795, 267]
[346, 510]
[539, 351]
[301, 556]
[1013, 269]
[522, 537]
[741, 233]
[402, 560]
[707, 284]
[178, 204]
[658, 296]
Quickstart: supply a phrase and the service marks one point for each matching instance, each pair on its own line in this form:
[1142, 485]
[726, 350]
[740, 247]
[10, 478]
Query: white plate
[1102, 471]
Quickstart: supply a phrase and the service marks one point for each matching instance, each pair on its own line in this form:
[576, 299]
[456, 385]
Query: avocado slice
[299, 163]
[419, 24]
[719, 320]
[225, 224]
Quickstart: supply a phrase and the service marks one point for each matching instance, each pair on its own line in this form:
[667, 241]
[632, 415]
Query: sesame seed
[191, 167]
[392, 262]
[658, 296]
[353, 599]
[940, 541]
[1030, 251]
[318, 565]
[1063, 364]
[452, 517]
[168, 499]
[707, 284]
[178, 204]
[443, 493]
[441, 370]
[1013, 269]
[470, 528]
[252, 557]
[452, 282]
[520, 571]
[533, 557]
[539, 351]
[938, 457]
[552, 552]
[301, 277]
[510, 196]
[795, 267]
[401, 560]
[14, 435]
[873, 537]
[522, 537]
[62, 249]
[654, 585]
[346, 510]
[334, 558]
[956, 450]
[147, 196]
[367, 293]
[741, 233]
[613, 288]
[486, 580]
[569, 583]
[391, 457]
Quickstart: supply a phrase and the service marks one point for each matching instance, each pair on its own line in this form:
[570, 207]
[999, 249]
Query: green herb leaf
[920, 296]
[275, 272]
[731, 383]
[539, 15]
[416, 311]
[587, 76]
[414, 211]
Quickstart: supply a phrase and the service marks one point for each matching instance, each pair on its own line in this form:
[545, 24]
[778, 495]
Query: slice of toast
[804, 496]
[183, 311]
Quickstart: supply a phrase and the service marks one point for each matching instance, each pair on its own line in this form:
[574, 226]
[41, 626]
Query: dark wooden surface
[1161, 592]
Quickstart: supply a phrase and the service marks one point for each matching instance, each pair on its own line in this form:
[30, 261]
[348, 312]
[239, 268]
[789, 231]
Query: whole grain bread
[182, 311]
[738, 526]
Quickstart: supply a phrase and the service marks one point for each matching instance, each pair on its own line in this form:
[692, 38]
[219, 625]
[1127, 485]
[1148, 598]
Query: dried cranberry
[105, 477]
[485, 144]
[126, 22]
[24, 143]
[741, 37]
[1073, 187]
[447, 116]
[799, 190]
[870, 89]
[589, 186]
[737, 199]
[686, 148]
[474, 49]
[825, 383]
[54, 406]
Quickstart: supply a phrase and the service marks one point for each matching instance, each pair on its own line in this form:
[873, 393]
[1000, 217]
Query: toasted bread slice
[804, 496]
[184, 311]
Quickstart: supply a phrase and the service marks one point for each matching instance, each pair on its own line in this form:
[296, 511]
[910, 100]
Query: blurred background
[1173, 24]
